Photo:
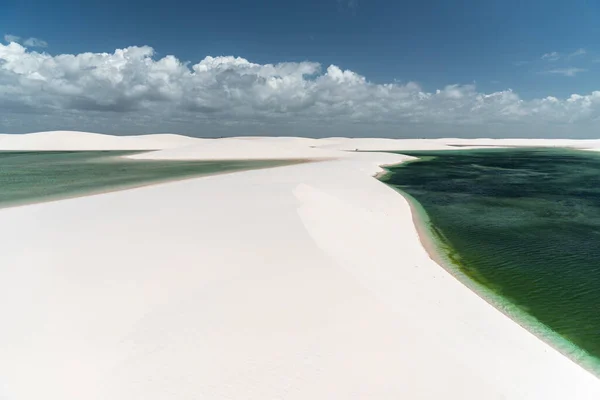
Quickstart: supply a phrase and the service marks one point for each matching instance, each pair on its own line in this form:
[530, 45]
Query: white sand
[67, 140]
[244, 148]
[298, 282]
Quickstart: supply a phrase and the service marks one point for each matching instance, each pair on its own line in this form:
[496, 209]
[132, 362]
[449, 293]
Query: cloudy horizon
[133, 90]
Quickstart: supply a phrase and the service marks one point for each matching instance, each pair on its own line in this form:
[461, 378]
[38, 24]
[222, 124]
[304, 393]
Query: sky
[392, 68]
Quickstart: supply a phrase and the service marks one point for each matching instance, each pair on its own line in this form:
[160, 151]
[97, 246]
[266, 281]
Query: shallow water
[29, 176]
[523, 223]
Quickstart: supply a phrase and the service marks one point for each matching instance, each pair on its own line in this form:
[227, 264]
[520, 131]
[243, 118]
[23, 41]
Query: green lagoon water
[29, 177]
[523, 226]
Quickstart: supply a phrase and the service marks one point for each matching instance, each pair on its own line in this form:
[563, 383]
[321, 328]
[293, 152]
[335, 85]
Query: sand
[298, 282]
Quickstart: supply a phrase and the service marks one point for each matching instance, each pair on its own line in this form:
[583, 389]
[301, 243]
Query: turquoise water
[524, 224]
[28, 177]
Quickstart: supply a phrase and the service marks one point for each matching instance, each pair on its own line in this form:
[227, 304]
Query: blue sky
[494, 45]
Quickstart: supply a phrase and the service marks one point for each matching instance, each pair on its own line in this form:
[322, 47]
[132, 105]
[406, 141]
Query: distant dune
[67, 140]
[298, 282]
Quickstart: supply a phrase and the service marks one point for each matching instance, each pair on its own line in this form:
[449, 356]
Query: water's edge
[441, 252]
[122, 156]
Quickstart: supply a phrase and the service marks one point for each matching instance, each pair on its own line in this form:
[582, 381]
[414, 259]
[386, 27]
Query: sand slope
[68, 140]
[298, 282]
[245, 148]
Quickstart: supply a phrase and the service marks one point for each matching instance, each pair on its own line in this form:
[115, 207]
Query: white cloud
[555, 56]
[131, 90]
[551, 56]
[28, 42]
[571, 71]
[577, 53]
[11, 38]
[35, 42]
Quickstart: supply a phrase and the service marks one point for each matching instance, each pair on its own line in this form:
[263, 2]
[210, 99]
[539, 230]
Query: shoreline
[525, 320]
[118, 188]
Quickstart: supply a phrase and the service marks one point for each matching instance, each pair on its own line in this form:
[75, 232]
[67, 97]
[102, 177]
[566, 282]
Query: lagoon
[36, 176]
[524, 226]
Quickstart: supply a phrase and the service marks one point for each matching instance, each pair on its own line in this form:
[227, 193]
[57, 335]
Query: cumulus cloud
[28, 42]
[132, 90]
[571, 71]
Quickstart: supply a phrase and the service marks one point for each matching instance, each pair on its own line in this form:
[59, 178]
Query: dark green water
[525, 225]
[28, 177]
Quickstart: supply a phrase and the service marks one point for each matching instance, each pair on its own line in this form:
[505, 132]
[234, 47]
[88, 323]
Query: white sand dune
[374, 144]
[245, 148]
[297, 282]
[448, 143]
[68, 140]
